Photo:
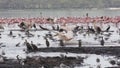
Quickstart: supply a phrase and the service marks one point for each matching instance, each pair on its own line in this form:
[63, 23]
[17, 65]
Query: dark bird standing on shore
[75, 30]
[58, 28]
[61, 43]
[61, 30]
[97, 60]
[92, 30]
[34, 46]
[102, 42]
[50, 36]
[22, 25]
[47, 42]
[98, 29]
[79, 43]
[34, 26]
[10, 33]
[53, 28]
[29, 47]
[18, 59]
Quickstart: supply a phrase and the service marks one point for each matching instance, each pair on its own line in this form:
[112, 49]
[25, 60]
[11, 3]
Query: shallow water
[57, 13]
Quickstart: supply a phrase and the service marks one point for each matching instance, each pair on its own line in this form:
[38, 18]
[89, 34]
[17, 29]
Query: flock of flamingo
[44, 20]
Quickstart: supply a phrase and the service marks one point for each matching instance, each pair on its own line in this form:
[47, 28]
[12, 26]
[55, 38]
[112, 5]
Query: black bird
[17, 45]
[53, 28]
[98, 29]
[112, 62]
[108, 28]
[10, 33]
[50, 36]
[29, 47]
[19, 60]
[34, 46]
[49, 19]
[102, 42]
[22, 25]
[76, 28]
[88, 30]
[47, 42]
[79, 43]
[92, 30]
[97, 60]
[34, 26]
[61, 30]
[61, 43]
[58, 28]
[43, 28]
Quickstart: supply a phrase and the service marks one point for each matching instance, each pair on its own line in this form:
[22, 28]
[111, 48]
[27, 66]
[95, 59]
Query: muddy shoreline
[109, 50]
[51, 62]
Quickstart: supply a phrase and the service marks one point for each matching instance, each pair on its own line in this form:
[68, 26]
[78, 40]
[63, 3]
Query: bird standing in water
[58, 28]
[79, 43]
[34, 26]
[61, 43]
[19, 60]
[34, 46]
[47, 42]
[53, 28]
[97, 60]
[102, 42]
[11, 33]
[98, 29]
[29, 47]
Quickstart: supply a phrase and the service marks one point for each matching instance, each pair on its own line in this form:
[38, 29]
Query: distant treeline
[23, 4]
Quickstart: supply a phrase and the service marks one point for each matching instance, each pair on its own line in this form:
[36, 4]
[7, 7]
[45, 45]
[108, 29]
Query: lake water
[56, 13]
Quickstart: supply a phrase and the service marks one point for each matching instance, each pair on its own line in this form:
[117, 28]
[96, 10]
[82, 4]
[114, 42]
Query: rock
[97, 60]
[112, 62]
